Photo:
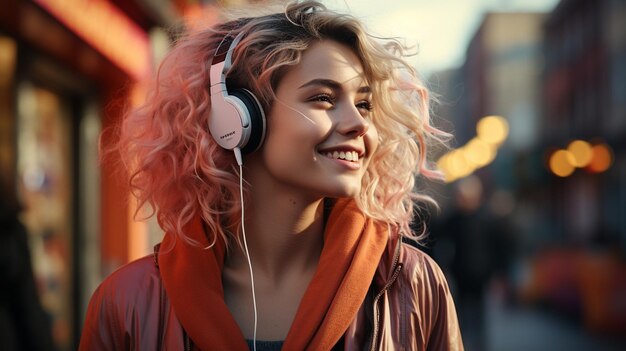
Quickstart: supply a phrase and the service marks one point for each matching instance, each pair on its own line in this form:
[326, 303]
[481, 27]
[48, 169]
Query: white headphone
[236, 119]
[236, 122]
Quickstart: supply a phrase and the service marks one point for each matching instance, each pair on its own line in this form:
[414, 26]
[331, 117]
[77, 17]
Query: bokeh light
[479, 153]
[562, 163]
[581, 151]
[492, 129]
[476, 153]
[459, 166]
[602, 158]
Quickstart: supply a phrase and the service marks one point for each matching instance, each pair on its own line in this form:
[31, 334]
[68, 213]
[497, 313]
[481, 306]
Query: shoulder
[420, 266]
[128, 296]
[430, 298]
[127, 289]
[132, 279]
[424, 279]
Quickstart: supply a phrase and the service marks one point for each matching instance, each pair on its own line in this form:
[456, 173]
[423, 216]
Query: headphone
[237, 119]
[236, 122]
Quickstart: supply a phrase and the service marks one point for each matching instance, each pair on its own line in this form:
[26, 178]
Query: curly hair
[178, 169]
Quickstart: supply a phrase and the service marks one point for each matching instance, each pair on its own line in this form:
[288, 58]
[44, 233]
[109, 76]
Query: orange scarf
[353, 245]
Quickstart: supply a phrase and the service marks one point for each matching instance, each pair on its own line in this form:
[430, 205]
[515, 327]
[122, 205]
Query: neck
[284, 234]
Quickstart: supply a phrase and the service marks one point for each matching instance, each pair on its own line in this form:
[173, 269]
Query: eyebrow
[334, 85]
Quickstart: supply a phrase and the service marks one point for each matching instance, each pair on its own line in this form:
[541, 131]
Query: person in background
[474, 248]
[280, 153]
[24, 325]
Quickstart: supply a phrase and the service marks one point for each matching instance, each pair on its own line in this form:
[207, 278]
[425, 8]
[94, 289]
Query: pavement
[517, 328]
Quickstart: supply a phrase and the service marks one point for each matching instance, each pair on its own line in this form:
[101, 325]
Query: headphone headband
[218, 75]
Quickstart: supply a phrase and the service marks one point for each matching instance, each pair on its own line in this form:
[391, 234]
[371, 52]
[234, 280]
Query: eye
[364, 105]
[323, 98]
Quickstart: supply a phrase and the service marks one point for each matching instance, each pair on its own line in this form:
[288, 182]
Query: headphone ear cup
[257, 118]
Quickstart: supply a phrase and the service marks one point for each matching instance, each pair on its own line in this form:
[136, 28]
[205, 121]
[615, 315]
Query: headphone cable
[245, 243]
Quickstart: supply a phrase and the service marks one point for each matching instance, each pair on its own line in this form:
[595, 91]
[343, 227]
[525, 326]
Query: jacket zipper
[394, 276]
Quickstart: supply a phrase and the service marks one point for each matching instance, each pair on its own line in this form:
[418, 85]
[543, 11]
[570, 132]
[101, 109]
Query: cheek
[290, 142]
[298, 130]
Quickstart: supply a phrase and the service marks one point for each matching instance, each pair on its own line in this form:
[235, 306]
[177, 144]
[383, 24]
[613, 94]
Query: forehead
[328, 59]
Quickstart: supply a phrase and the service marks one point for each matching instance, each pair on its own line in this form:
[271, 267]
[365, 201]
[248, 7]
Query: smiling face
[319, 134]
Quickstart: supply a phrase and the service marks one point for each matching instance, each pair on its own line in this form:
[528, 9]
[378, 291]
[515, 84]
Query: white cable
[294, 110]
[245, 243]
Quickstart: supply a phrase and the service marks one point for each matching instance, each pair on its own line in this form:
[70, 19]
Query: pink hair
[179, 171]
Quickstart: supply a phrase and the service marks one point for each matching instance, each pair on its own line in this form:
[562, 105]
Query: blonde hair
[179, 170]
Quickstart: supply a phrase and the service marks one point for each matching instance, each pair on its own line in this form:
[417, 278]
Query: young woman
[280, 153]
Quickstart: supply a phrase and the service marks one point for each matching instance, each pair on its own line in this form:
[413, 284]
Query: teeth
[343, 155]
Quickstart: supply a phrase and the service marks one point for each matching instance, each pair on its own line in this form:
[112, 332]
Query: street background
[532, 227]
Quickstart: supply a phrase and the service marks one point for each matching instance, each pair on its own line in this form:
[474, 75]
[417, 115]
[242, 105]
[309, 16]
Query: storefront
[67, 69]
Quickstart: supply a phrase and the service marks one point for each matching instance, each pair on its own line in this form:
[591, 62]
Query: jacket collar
[353, 245]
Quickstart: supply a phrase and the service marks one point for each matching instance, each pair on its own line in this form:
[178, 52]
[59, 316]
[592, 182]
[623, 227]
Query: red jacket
[409, 307]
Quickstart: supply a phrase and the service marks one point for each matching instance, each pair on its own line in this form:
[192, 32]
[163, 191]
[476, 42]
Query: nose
[351, 122]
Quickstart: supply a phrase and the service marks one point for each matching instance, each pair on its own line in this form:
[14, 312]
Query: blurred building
[584, 90]
[556, 78]
[502, 76]
[68, 71]
[585, 98]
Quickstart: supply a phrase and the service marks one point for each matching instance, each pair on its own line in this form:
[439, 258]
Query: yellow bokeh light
[602, 158]
[492, 129]
[562, 163]
[581, 151]
[459, 165]
[454, 165]
[479, 153]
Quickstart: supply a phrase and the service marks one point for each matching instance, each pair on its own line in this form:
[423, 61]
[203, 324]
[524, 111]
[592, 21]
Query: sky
[439, 30]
